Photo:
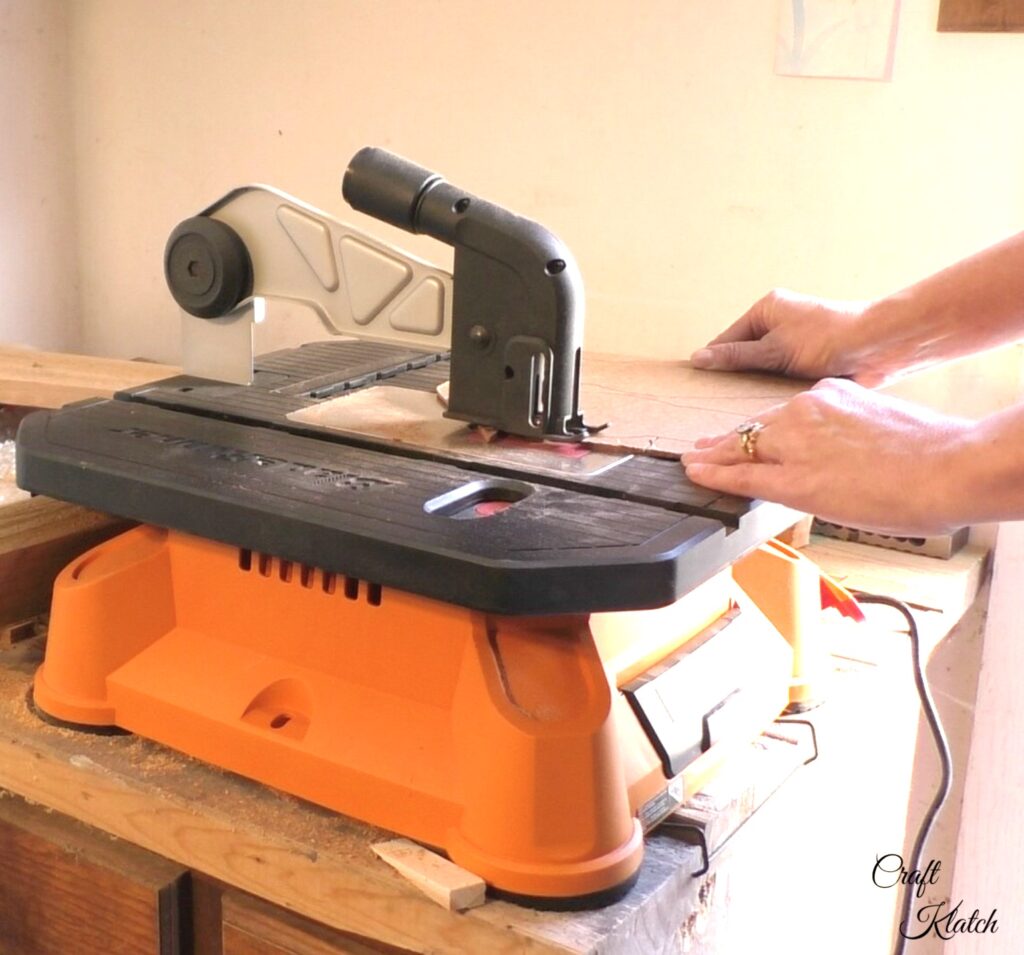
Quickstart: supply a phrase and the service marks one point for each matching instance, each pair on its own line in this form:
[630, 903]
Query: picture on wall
[850, 39]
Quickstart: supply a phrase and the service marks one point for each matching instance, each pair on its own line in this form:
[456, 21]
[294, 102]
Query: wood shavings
[9, 491]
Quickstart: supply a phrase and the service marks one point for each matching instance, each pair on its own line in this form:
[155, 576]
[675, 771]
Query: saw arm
[511, 314]
[258, 243]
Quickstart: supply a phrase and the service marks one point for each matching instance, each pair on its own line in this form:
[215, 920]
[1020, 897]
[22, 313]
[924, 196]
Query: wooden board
[49, 379]
[435, 876]
[416, 418]
[981, 16]
[929, 583]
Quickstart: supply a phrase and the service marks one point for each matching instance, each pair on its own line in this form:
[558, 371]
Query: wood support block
[436, 877]
[15, 631]
[38, 538]
[799, 535]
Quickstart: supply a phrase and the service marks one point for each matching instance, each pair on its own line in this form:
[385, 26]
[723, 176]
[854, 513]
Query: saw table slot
[478, 499]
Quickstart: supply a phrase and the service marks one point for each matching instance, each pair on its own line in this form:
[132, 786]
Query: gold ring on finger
[748, 432]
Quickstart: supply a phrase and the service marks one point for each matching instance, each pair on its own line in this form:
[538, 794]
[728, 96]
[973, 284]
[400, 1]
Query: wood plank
[443, 881]
[38, 538]
[743, 786]
[50, 379]
[930, 583]
[254, 927]
[981, 16]
[68, 888]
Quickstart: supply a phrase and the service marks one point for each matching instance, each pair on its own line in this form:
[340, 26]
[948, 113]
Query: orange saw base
[504, 741]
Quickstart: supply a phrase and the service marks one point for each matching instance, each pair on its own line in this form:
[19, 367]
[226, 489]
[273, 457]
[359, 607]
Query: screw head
[480, 336]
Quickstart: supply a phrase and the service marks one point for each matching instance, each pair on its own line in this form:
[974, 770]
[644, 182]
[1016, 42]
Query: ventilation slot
[305, 575]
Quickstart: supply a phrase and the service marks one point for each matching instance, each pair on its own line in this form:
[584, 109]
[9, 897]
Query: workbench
[123, 845]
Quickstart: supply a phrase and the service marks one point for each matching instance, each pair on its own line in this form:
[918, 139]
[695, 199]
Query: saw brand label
[219, 452]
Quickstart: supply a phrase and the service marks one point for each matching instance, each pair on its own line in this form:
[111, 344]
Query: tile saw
[523, 651]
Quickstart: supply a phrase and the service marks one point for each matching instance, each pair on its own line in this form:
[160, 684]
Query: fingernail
[702, 358]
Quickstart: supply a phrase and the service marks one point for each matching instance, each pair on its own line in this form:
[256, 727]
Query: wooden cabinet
[70, 888]
[253, 927]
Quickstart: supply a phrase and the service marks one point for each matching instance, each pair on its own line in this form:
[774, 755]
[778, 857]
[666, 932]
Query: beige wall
[38, 268]
[654, 137]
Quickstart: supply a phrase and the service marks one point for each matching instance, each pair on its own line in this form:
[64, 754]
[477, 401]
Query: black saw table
[534, 531]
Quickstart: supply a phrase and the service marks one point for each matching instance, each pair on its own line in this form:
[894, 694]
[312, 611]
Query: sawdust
[10, 418]
[9, 491]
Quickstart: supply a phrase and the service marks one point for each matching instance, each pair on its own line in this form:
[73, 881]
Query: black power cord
[941, 745]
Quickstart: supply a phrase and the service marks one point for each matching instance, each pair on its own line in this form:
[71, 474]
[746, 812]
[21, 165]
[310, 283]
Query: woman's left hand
[850, 456]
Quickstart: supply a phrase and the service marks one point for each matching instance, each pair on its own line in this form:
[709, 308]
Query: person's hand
[850, 456]
[793, 335]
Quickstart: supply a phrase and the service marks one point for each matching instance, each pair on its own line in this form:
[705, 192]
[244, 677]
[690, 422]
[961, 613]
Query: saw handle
[517, 311]
[409, 196]
[392, 189]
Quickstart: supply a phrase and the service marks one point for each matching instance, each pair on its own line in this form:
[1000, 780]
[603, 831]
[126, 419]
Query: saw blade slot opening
[478, 499]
